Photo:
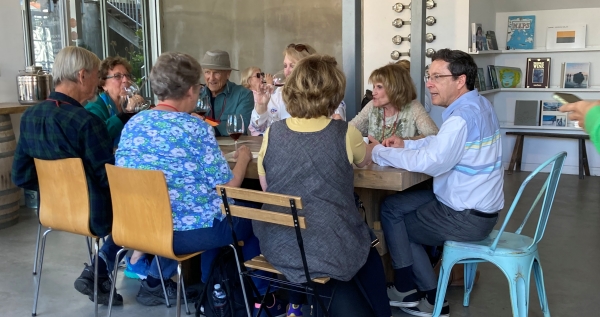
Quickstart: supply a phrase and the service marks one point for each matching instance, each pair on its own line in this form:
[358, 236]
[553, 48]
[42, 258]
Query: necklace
[394, 125]
[167, 106]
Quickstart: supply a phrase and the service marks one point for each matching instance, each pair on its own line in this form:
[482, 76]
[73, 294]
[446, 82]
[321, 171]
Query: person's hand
[261, 100]
[578, 110]
[336, 116]
[133, 101]
[243, 154]
[393, 141]
[269, 79]
[372, 143]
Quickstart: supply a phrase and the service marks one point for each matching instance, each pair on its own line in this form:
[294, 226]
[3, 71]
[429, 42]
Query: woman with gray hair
[170, 139]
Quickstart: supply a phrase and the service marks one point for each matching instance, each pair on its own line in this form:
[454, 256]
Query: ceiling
[536, 5]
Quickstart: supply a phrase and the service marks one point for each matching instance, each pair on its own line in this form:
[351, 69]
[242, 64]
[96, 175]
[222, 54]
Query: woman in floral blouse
[394, 109]
[170, 139]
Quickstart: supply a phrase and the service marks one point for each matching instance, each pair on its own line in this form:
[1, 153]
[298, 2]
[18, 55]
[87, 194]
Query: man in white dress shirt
[465, 160]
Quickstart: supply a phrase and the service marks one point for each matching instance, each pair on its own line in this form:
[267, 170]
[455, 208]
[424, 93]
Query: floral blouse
[411, 121]
[185, 149]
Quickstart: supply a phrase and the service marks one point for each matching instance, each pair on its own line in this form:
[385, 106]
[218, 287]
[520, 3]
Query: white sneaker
[424, 309]
[399, 299]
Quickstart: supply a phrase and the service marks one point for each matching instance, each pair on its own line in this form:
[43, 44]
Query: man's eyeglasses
[260, 75]
[435, 78]
[299, 47]
[119, 76]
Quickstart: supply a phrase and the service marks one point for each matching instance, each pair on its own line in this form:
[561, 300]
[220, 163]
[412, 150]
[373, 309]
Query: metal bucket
[33, 85]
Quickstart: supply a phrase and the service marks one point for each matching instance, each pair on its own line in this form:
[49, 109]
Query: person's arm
[439, 155]
[361, 121]
[243, 156]
[592, 125]
[588, 115]
[262, 175]
[23, 168]
[425, 125]
[358, 150]
[97, 149]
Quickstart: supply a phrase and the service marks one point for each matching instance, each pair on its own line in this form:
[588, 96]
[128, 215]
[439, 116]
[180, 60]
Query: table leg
[516, 155]
[586, 165]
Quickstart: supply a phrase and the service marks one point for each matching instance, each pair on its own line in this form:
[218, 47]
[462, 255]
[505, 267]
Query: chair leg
[470, 273]
[39, 276]
[445, 270]
[185, 302]
[88, 240]
[37, 249]
[239, 267]
[519, 294]
[539, 282]
[179, 280]
[114, 281]
[162, 280]
[96, 250]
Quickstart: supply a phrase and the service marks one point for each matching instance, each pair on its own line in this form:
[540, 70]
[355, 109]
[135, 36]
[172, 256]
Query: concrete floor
[570, 254]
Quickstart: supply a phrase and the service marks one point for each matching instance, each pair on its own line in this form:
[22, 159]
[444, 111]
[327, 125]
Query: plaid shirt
[58, 128]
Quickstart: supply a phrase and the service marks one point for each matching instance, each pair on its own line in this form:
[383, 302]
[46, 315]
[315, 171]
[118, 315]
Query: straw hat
[216, 59]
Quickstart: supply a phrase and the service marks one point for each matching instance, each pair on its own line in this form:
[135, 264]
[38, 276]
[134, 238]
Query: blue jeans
[412, 219]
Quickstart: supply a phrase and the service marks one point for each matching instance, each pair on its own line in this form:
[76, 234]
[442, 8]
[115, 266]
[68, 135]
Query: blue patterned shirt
[185, 149]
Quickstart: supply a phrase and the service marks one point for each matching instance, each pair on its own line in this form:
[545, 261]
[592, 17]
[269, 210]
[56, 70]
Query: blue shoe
[276, 310]
[138, 270]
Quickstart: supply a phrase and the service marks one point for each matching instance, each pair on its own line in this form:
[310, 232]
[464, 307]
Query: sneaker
[85, 285]
[424, 309]
[152, 296]
[138, 270]
[294, 310]
[276, 310]
[400, 299]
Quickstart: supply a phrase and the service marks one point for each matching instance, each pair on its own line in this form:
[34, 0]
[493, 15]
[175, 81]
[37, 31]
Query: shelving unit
[551, 89]
[537, 51]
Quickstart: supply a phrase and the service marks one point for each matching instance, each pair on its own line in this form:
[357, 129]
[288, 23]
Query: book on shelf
[566, 36]
[537, 73]
[481, 79]
[493, 78]
[527, 112]
[478, 39]
[521, 32]
[508, 77]
[491, 40]
[575, 75]
[550, 116]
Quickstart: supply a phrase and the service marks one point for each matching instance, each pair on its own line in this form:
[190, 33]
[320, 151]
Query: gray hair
[173, 74]
[70, 60]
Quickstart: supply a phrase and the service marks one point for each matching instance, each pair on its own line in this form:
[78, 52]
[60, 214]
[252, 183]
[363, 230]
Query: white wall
[12, 56]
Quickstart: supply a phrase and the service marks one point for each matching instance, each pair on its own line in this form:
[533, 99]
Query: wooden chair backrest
[264, 198]
[142, 215]
[64, 198]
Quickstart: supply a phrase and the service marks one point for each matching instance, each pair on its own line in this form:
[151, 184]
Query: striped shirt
[465, 157]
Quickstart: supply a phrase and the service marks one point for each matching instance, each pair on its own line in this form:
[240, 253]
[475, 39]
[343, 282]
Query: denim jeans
[412, 219]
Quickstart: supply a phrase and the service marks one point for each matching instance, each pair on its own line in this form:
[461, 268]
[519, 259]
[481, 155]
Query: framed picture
[550, 116]
[537, 72]
[508, 77]
[566, 36]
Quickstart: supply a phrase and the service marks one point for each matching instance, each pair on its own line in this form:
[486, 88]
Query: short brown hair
[173, 74]
[314, 88]
[296, 52]
[398, 85]
[109, 64]
[404, 63]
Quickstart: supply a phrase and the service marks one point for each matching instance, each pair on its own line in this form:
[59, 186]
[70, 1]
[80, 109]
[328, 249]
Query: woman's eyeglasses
[119, 76]
[299, 47]
[260, 75]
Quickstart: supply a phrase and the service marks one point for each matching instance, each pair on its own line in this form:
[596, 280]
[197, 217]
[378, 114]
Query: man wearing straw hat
[226, 98]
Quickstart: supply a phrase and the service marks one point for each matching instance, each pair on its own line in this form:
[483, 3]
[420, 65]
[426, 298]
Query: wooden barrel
[10, 195]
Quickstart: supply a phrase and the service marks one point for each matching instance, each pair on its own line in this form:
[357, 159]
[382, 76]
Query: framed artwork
[566, 36]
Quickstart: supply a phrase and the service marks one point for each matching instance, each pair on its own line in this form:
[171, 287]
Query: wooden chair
[293, 220]
[142, 219]
[64, 206]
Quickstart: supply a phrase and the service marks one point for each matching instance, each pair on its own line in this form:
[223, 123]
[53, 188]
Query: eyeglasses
[299, 47]
[435, 78]
[119, 76]
[260, 75]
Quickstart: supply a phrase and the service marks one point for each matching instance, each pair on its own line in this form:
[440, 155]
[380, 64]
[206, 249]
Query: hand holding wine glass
[279, 78]
[133, 102]
[235, 127]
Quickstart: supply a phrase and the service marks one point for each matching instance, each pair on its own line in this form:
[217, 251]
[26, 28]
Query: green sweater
[592, 125]
[113, 123]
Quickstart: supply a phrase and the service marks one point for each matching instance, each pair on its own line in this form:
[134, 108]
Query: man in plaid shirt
[60, 127]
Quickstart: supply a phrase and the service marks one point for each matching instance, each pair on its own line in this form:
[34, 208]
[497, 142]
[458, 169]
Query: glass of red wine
[235, 127]
[203, 106]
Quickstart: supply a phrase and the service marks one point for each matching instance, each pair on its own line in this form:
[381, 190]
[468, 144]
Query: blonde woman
[252, 78]
[394, 109]
[261, 119]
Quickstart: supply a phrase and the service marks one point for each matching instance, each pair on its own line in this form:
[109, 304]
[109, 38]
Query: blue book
[521, 32]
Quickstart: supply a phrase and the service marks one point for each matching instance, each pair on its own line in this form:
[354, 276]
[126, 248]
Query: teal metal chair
[515, 254]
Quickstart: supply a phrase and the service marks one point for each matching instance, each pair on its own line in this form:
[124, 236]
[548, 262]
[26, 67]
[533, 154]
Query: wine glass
[203, 106]
[279, 78]
[235, 127]
[131, 104]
